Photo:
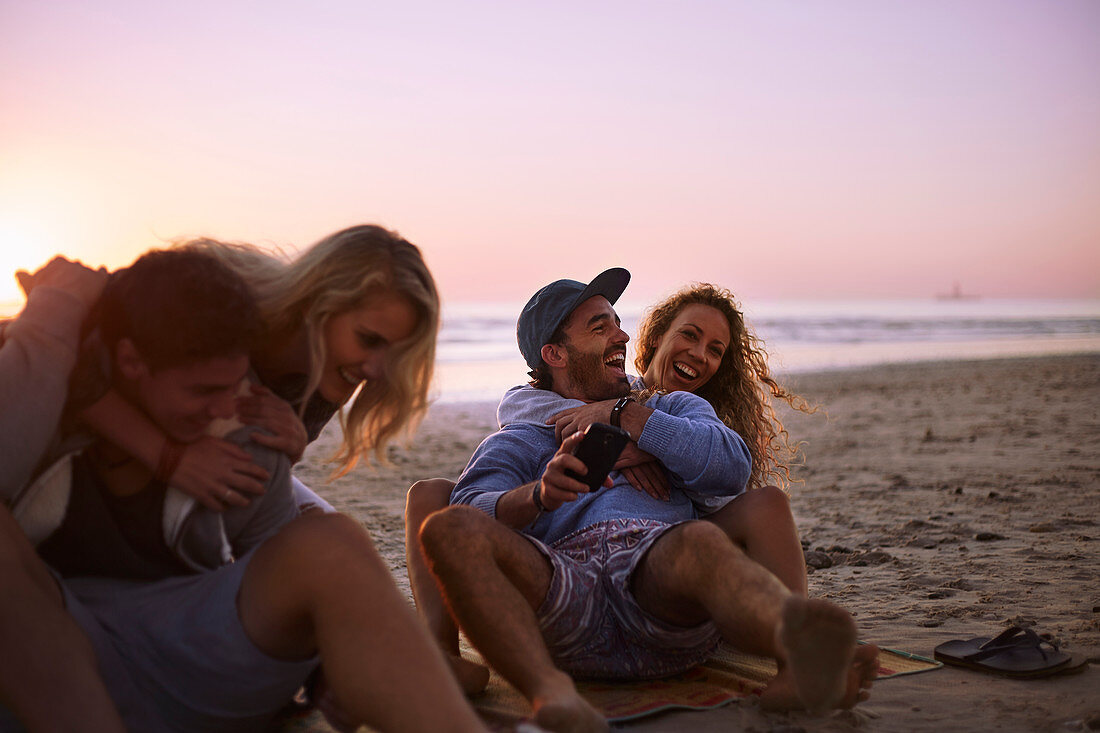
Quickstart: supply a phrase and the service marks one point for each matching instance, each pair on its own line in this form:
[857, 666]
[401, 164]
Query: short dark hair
[541, 377]
[178, 307]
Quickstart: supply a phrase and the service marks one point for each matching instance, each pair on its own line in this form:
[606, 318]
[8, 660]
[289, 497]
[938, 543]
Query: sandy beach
[938, 501]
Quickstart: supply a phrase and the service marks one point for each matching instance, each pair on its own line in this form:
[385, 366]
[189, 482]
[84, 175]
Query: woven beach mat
[725, 677]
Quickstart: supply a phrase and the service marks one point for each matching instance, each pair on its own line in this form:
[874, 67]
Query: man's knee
[770, 500]
[320, 540]
[425, 497]
[455, 530]
[696, 545]
[312, 557]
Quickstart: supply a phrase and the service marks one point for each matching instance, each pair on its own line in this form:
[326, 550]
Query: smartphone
[599, 449]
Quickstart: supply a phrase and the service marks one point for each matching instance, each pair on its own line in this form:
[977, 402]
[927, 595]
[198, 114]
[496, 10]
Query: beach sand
[948, 500]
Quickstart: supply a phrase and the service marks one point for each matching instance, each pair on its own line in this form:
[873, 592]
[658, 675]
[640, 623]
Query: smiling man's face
[183, 400]
[596, 348]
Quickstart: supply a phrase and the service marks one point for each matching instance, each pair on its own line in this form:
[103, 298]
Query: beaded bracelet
[170, 456]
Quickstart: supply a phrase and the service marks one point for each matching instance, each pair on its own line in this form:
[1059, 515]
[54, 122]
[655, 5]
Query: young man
[547, 578]
[199, 620]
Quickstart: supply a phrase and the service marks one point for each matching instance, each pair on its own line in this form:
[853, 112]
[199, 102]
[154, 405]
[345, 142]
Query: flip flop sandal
[1016, 652]
[1077, 663]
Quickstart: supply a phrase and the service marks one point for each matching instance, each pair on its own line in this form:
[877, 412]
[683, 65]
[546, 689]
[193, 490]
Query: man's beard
[586, 372]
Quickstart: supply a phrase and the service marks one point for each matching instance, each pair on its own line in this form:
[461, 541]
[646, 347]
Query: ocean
[477, 357]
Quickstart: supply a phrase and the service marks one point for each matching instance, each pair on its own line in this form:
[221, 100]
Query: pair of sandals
[1016, 652]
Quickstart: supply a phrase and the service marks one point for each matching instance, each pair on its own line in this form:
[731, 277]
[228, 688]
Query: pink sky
[830, 149]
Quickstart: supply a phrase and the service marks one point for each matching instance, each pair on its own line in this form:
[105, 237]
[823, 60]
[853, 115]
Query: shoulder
[267, 458]
[507, 458]
[530, 404]
[522, 447]
[519, 438]
[514, 401]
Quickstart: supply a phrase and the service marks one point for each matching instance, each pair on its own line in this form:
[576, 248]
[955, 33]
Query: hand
[72, 277]
[577, 419]
[650, 478]
[555, 488]
[643, 471]
[264, 409]
[632, 455]
[218, 474]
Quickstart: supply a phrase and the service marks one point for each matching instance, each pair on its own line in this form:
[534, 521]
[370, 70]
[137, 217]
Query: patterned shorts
[590, 620]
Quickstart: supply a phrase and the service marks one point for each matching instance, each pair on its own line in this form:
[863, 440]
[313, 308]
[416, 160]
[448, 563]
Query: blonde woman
[350, 323]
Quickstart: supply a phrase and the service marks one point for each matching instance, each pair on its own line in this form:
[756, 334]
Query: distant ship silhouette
[956, 294]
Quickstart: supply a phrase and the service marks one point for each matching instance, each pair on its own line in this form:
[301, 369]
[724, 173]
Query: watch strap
[617, 411]
[536, 497]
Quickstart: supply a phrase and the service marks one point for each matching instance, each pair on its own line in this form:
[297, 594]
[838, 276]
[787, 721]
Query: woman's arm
[37, 351]
[213, 471]
[703, 453]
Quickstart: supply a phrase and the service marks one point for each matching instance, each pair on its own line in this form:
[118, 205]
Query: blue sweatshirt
[702, 455]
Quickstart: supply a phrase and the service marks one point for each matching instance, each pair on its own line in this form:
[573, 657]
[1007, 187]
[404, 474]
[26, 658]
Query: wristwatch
[617, 410]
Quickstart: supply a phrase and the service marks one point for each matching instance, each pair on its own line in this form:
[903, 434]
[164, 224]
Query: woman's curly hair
[742, 389]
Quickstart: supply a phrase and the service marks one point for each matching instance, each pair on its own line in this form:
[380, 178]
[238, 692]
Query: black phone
[599, 449]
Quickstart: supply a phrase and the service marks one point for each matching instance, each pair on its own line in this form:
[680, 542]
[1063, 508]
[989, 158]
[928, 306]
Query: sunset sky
[830, 149]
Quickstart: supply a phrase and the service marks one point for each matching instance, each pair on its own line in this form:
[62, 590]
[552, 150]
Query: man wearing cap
[549, 580]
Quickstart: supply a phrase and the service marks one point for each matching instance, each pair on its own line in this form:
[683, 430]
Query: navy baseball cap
[549, 307]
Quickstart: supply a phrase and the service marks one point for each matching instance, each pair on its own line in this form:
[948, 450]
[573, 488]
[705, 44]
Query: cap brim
[609, 283]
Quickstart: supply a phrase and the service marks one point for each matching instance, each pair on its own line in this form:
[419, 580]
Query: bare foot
[821, 670]
[561, 708]
[862, 675]
[472, 677]
[782, 695]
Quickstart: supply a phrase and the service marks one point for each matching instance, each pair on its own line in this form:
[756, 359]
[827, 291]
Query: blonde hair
[333, 276]
[742, 389]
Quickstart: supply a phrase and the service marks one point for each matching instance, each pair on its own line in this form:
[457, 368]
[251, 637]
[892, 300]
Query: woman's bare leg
[319, 586]
[424, 498]
[761, 523]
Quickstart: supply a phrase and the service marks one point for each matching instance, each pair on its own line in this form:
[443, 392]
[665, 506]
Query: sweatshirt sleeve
[530, 405]
[503, 461]
[705, 456]
[37, 351]
[266, 514]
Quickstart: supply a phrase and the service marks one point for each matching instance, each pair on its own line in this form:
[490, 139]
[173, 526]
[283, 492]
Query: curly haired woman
[694, 341]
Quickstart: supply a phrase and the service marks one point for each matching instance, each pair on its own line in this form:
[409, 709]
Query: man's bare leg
[493, 580]
[47, 657]
[425, 497]
[760, 522]
[694, 572]
[318, 586]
